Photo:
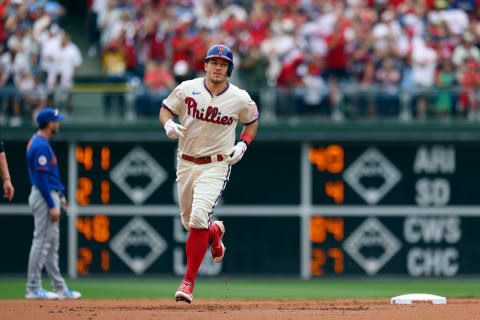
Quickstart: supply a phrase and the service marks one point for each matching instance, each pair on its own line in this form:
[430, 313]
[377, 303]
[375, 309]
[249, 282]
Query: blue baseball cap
[47, 115]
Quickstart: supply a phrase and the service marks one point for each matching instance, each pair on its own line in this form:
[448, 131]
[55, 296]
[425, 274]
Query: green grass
[118, 288]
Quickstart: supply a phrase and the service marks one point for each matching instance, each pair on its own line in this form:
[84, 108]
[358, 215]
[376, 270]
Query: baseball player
[45, 199]
[208, 110]
[8, 189]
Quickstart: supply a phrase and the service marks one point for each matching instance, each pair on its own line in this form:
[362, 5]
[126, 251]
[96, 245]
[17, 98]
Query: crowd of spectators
[365, 57]
[328, 57]
[37, 59]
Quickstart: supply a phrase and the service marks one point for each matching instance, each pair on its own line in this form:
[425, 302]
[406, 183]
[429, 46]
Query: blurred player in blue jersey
[45, 199]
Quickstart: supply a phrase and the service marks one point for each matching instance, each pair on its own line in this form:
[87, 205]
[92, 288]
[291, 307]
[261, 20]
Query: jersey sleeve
[44, 188]
[41, 164]
[175, 100]
[41, 160]
[249, 112]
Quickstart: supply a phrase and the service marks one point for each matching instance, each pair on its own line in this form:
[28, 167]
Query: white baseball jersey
[210, 121]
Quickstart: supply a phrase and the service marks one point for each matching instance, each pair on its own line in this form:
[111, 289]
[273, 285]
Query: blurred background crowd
[37, 60]
[339, 59]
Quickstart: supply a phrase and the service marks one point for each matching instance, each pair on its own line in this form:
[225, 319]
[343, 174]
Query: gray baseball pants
[45, 244]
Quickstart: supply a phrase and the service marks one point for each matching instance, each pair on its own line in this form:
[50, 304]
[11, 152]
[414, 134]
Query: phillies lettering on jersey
[212, 114]
[210, 120]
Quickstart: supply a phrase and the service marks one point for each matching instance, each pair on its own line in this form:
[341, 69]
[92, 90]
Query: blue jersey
[43, 168]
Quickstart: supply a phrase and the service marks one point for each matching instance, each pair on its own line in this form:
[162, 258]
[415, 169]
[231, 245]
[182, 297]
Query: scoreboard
[292, 208]
[144, 173]
[156, 245]
[401, 174]
[418, 201]
[420, 246]
[124, 173]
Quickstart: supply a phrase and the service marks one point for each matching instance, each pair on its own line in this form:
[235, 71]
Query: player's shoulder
[193, 83]
[36, 145]
[239, 92]
[234, 88]
[40, 140]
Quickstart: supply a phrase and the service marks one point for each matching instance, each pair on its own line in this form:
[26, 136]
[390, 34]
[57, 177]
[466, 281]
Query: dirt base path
[205, 309]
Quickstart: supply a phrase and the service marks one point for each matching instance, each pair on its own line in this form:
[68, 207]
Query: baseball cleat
[184, 292]
[216, 247]
[41, 294]
[69, 294]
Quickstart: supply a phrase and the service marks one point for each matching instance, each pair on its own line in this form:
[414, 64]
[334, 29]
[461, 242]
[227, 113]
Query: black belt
[202, 160]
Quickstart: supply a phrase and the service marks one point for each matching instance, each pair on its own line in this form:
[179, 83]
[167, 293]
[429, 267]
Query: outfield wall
[312, 203]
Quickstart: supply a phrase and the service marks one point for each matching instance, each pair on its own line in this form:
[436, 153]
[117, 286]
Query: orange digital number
[329, 159]
[105, 260]
[84, 260]
[101, 231]
[105, 158]
[335, 227]
[97, 228]
[320, 226]
[105, 191]
[84, 226]
[318, 233]
[85, 156]
[334, 189]
[337, 256]
[318, 261]
[84, 190]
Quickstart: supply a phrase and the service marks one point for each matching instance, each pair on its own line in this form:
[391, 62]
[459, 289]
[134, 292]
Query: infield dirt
[209, 309]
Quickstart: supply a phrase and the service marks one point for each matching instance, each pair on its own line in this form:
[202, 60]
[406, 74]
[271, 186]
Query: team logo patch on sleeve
[42, 160]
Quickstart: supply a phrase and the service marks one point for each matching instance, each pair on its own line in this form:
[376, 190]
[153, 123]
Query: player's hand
[174, 130]
[237, 154]
[63, 202]
[8, 190]
[54, 214]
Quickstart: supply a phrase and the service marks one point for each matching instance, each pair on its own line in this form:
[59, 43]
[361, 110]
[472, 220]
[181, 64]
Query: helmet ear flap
[230, 69]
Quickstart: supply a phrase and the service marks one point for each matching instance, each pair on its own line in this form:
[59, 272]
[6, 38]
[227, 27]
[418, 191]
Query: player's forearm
[249, 132]
[165, 115]
[4, 167]
[44, 188]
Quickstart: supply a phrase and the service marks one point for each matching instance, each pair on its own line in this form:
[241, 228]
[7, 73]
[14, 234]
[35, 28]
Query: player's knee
[199, 220]
[45, 249]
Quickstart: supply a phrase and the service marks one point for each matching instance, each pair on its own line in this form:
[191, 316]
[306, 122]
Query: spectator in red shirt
[156, 39]
[469, 79]
[287, 80]
[158, 82]
[158, 77]
[199, 44]
[288, 77]
[180, 46]
[258, 24]
[336, 59]
[127, 46]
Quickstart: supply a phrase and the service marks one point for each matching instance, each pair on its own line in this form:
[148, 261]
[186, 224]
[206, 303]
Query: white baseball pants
[200, 186]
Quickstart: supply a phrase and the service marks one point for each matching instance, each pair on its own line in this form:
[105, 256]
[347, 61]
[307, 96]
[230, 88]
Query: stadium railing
[132, 101]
